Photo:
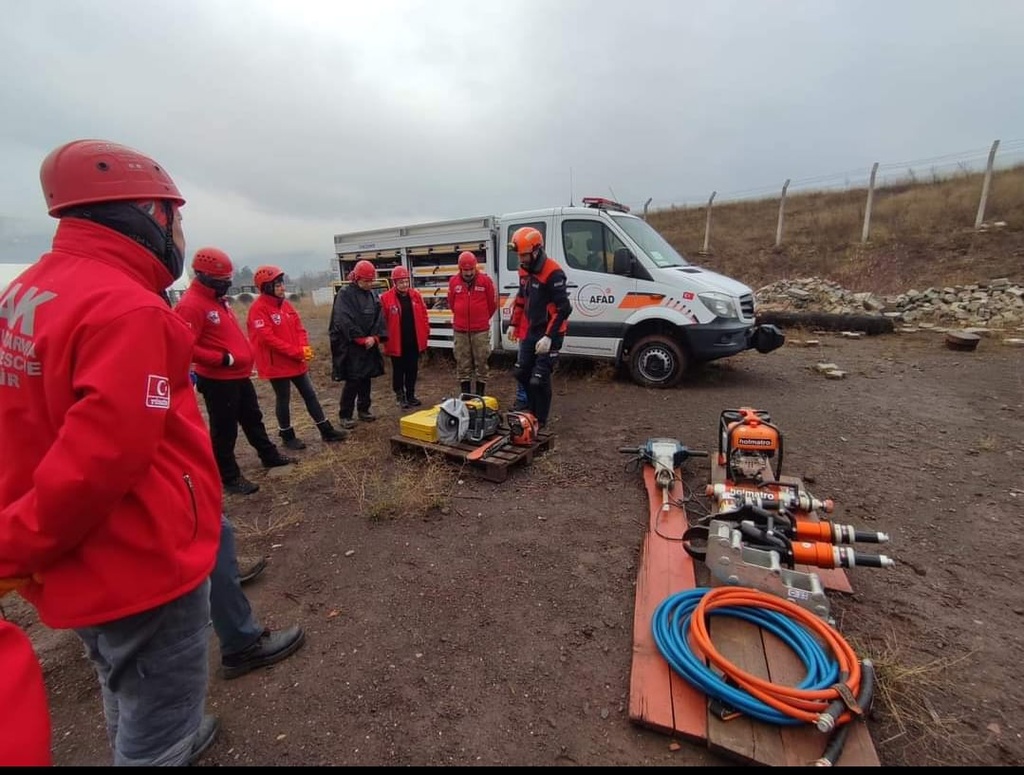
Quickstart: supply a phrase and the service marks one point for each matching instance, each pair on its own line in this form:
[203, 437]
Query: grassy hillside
[921, 235]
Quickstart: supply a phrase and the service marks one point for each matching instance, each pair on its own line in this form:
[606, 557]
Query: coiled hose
[833, 670]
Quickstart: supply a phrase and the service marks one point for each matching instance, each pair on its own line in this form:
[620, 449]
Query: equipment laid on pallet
[749, 679]
[471, 430]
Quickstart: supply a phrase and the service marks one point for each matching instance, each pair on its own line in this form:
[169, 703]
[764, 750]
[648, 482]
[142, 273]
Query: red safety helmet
[399, 273]
[86, 171]
[467, 261]
[213, 262]
[266, 274]
[364, 270]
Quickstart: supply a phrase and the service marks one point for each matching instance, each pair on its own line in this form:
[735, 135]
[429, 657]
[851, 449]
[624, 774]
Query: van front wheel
[656, 361]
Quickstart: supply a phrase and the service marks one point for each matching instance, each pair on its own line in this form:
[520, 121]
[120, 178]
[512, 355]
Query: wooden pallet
[661, 700]
[494, 468]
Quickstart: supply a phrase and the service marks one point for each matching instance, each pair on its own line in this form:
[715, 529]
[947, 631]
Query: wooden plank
[658, 697]
[744, 738]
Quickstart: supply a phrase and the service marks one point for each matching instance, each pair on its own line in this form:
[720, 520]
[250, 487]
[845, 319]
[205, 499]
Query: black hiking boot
[240, 486]
[288, 437]
[329, 433]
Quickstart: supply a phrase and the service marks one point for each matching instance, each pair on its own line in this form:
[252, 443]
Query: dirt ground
[455, 621]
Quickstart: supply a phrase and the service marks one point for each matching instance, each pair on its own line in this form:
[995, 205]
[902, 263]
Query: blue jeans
[233, 619]
[153, 674]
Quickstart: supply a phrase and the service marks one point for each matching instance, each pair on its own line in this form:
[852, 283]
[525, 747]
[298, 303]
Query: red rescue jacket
[472, 304]
[392, 311]
[277, 337]
[216, 331]
[24, 714]
[108, 488]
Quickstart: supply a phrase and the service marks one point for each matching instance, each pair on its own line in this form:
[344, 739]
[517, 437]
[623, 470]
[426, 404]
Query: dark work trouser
[230, 403]
[283, 393]
[534, 371]
[230, 611]
[404, 369]
[355, 394]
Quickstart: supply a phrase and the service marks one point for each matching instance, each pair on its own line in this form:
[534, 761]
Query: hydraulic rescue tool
[764, 525]
[664, 455]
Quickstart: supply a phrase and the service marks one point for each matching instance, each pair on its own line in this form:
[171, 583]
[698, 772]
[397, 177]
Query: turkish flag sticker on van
[158, 392]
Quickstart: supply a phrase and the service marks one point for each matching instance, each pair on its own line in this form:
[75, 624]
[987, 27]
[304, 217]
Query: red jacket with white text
[277, 337]
[109, 492]
[216, 331]
[473, 304]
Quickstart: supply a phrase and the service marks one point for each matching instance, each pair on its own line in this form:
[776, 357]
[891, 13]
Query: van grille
[747, 306]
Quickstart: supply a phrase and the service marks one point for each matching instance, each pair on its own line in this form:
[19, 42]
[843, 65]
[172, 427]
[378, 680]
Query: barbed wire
[1009, 154]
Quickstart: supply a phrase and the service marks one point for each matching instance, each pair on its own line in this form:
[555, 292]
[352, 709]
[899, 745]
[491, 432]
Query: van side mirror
[623, 262]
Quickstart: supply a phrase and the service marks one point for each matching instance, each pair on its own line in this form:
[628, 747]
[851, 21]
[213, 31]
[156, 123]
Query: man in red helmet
[282, 349]
[357, 330]
[110, 506]
[408, 325]
[543, 302]
[223, 361]
[473, 301]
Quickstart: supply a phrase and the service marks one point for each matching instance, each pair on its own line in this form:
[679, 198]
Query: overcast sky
[284, 123]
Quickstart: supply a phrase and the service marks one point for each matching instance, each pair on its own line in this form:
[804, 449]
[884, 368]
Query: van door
[599, 297]
[508, 273]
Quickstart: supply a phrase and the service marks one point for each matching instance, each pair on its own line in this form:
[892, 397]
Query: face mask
[220, 287]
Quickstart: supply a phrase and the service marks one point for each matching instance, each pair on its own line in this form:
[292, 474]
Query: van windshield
[650, 242]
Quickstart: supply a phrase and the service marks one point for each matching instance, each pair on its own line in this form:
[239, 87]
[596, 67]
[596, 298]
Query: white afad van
[636, 301]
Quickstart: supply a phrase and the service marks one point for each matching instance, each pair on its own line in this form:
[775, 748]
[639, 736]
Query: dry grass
[903, 699]
[921, 234]
[412, 488]
[270, 524]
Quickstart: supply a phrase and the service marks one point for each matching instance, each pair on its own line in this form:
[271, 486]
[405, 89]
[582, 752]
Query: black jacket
[356, 314]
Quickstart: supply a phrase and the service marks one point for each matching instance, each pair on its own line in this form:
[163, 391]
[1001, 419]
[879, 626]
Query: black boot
[276, 459]
[465, 386]
[412, 400]
[240, 486]
[480, 388]
[403, 402]
[366, 416]
[329, 433]
[288, 437]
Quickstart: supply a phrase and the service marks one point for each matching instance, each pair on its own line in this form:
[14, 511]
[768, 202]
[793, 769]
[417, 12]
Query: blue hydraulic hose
[671, 627]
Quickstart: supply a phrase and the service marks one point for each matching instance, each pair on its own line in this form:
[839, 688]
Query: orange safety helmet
[87, 171]
[399, 273]
[213, 262]
[364, 270]
[467, 261]
[527, 240]
[266, 274]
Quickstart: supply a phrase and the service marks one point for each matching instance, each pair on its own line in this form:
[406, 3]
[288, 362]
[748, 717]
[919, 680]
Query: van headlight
[721, 305]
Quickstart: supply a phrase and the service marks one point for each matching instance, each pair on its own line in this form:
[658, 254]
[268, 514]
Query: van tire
[657, 361]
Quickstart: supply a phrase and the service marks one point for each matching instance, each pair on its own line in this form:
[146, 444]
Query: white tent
[9, 271]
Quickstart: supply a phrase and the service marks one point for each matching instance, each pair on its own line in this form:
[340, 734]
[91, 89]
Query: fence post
[871, 199]
[707, 225]
[782, 206]
[646, 204]
[984, 186]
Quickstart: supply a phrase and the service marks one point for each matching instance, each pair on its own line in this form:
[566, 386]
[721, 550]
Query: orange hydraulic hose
[800, 704]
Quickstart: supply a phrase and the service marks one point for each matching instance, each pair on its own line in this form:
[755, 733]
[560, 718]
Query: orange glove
[307, 353]
[17, 582]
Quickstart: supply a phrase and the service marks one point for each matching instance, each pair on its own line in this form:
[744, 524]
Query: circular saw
[452, 421]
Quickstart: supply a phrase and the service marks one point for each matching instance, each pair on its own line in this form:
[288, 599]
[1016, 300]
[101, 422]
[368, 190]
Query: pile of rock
[992, 304]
